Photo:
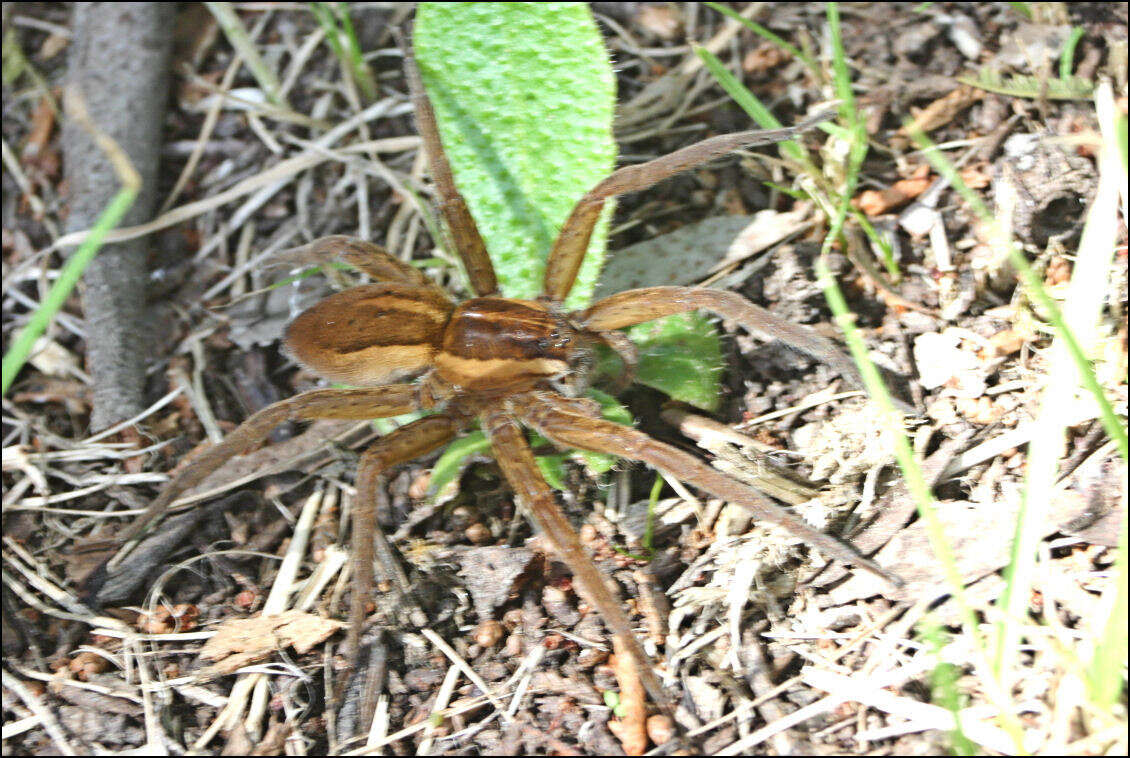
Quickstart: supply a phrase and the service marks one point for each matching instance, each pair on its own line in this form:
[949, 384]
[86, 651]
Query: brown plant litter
[221, 634]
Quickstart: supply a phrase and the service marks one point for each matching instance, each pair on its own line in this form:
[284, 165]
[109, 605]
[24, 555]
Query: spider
[505, 362]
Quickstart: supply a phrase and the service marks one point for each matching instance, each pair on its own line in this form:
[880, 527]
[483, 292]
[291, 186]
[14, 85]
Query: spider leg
[465, 235]
[369, 257]
[518, 466]
[636, 306]
[573, 240]
[400, 446]
[359, 404]
[557, 421]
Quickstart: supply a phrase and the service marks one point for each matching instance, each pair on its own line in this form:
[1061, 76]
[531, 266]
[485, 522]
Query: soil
[748, 625]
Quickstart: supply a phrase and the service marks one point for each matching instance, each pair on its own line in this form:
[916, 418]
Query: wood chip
[240, 642]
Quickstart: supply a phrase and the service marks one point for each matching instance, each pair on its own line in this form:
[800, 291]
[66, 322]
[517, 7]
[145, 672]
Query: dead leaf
[767, 228]
[943, 362]
[53, 359]
[42, 389]
[165, 620]
[763, 58]
[240, 642]
[660, 728]
[976, 177]
[87, 664]
[1008, 341]
[943, 110]
[52, 46]
[878, 202]
[490, 573]
[42, 126]
[685, 256]
[981, 410]
[660, 19]
[980, 536]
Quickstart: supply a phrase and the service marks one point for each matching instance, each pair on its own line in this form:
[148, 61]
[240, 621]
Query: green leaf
[681, 356]
[460, 453]
[552, 467]
[611, 409]
[14, 61]
[446, 471]
[524, 96]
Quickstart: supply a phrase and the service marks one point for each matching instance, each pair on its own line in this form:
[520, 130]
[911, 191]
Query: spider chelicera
[508, 363]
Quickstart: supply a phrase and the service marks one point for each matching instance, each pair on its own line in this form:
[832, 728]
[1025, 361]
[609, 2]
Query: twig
[465, 667]
[443, 697]
[41, 712]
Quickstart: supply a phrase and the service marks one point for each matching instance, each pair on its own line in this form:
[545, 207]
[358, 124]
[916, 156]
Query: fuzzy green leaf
[681, 356]
[455, 458]
[460, 453]
[524, 96]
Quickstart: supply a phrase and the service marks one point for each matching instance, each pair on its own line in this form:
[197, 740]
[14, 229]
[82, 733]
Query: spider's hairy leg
[369, 257]
[353, 404]
[399, 446]
[518, 466]
[465, 235]
[558, 421]
[636, 306]
[573, 240]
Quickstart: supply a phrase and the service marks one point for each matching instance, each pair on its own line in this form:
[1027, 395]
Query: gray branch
[119, 62]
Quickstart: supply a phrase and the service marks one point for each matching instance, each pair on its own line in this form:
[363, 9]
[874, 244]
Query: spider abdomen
[372, 334]
[494, 343]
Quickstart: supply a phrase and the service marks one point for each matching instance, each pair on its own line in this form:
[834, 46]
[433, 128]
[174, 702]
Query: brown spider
[503, 361]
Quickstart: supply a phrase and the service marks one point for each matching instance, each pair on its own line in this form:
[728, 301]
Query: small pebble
[477, 533]
[488, 633]
[660, 728]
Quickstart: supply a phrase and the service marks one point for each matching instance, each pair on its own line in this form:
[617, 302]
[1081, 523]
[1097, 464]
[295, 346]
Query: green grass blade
[338, 26]
[912, 472]
[857, 133]
[916, 484]
[1067, 57]
[1036, 289]
[1023, 9]
[18, 354]
[750, 104]
[1046, 448]
[1019, 85]
[1106, 677]
[238, 38]
[770, 37]
[943, 683]
[73, 269]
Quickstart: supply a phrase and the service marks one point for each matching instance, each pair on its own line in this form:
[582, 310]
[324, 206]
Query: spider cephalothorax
[503, 362]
